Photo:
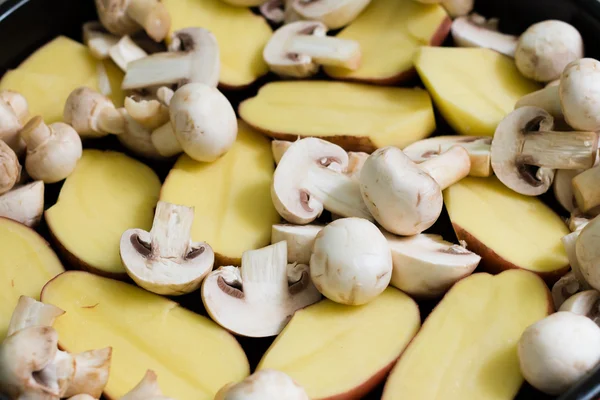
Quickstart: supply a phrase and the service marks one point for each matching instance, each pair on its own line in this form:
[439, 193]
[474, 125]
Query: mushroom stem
[152, 15]
[326, 50]
[30, 312]
[111, 120]
[264, 274]
[560, 150]
[171, 230]
[547, 98]
[449, 167]
[149, 113]
[98, 40]
[35, 133]
[586, 189]
[164, 95]
[126, 51]
[165, 141]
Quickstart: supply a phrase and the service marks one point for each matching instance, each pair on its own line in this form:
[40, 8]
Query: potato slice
[342, 352]
[467, 349]
[506, 229]
[241, 35]
[192, 356]
[473, 88]
[231, 196]
[107, 194]
[389, 33]
[355, 116]
[26, 264]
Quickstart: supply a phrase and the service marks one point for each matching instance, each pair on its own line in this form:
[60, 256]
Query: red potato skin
[494, 263]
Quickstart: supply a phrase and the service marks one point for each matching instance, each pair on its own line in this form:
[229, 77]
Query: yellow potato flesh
[332, 349]
[241, 35]
[473, 88]
[192, 356]
[383, 115]
[520, 229]
[389, 33]
[231, 196]
[26, 264]
[467, 348]
[107, 194]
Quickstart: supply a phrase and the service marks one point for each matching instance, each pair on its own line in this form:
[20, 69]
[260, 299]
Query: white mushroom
[91, 373]
[151, 114]
[258, 299]
[24, 204]
[126, 51]
[278, 147]
[165, 260]
[588, 252]
[18, 103]
[586, 189]
[10, 127]
[147, 389]
[193, 57]
[98, 39]
[585, 303]
[333, 13]
[309, 178]
[569, 242]
[557, 351]
[455, 8]
[31, 313]
[265, 384]
[563, 188]
[475, 31]
[92, 114]
[203, 124]
[406, 198]
[426, 265]
[299, 238]
[526, 151]
[10, 167]
[279, 11]
[564, 288]
[138, 139]
[297, 50]
[127, 17]
[578, 220]
[351, 261]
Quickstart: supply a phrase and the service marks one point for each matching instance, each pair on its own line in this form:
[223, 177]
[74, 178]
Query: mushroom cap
[558, 350]
[292, 64]
[545, 49]
[82, 111]
[580, 94]
[265, 384]
[204, 121]
[403, 199]
[291, 188]
[351, 261]
[333, 13]
[508, 141]
[586, 303]
[113, 15]
[11, 169]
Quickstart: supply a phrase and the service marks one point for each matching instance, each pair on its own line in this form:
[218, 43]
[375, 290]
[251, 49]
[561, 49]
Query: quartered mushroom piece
[333, 13]
[298, 49]
[9, 164]
[165, 260]
[586, 303]
[299, 238]
[127, 17]
[259, 298]
[24, 204]
[265, 384]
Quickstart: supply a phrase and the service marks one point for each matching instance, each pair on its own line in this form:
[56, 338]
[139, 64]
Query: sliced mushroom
[564, 288]
[127, 17]
[478, 147]
[308, 179]
[525, 150]
[258, 299]
[10, 167]
[588, 252]
[475, 31]
[147, 389]
[569, 243]
[91, 373]
[126, 51]
[18, 103]
[98, 39]
[333, 13]
[150, 114]
[193, 57]
[299, 238]
[563, 188]
[406, 198]
[585, 303]
[165, 260]
[297, 50]
[265, 384]
[92, 114]
[278, 147]
[426, 265]
[24, 204]
[10, 127]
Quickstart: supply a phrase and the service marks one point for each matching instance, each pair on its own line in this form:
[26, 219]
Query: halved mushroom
[127, 17]
[478, 147]
[10, 127]
[265, 384]
[126, 51]
[476, 31]
[147, 389]
[258, 299]
[193, 57]
[98, 39]
[563, 188]
[165, 260]
[585, 303]
[333, 13]
[564, 288]
[406, 198]
[426, 265]
[150, 114]
[18, 103]
[24, 204]
[308, 179]
[10, 167]
[588, 252]
[93, 115]
[525, 150]
[299, 238]
[297, 50]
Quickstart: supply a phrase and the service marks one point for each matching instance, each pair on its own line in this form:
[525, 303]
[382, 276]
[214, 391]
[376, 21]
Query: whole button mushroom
[406, 198]
[127, 17]
[525, 150]
[351, 261]
[266, 384]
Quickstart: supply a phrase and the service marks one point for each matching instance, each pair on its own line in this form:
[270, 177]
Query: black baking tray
[26, 25]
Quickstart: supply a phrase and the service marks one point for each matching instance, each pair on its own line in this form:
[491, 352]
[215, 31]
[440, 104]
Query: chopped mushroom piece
[126, 51]
[150, 114]
[258, 299]
[18, 103]
[30, 312]
[333, 13]
[91, 373]
[578, 220]
[24, 204]
[10, 127]
[585, 303]
[98, 39]
[165, 260]
[588, 252]
[138, 139]
[569, 242]
[455, 8]
[525, 150]
[147, 389]
[265, 384]
[93, 115]
[406, 198]
[127, 17]
[297, 50]
[309, 178]
[558, 350]
[587, 190]
[564, 288]
[52, 150]
[193, 57]
[10, 167]
[475, 31]
[279, 11]
[351, 261]
[299, 238]
[563, 188]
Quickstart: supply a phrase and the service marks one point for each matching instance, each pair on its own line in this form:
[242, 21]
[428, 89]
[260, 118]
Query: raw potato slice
[192, 356]
[473, 88]
[342, 352]
[231, 196]
[506, 229]
[241, 35]
[389, 33]
[107, 194]
[467, 348]
[355, 116]
[26, 264]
